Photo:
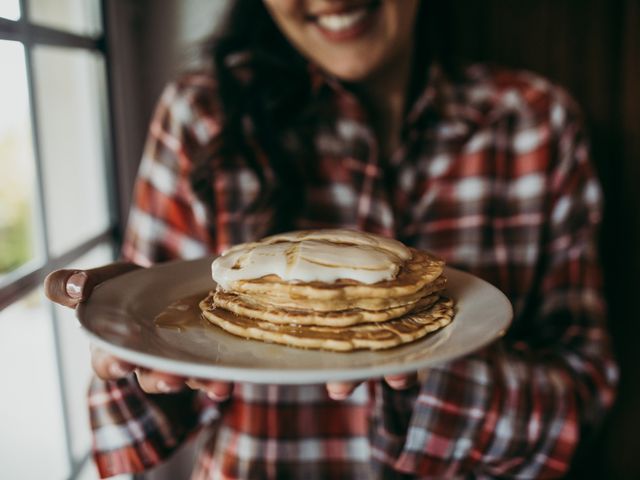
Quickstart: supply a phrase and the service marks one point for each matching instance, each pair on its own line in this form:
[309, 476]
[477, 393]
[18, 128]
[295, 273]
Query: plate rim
[301, 376]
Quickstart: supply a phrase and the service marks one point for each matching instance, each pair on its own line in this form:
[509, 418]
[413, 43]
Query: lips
[341, 21]
[345, 22]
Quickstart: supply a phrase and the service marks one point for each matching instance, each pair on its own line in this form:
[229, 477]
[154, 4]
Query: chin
[349, 71]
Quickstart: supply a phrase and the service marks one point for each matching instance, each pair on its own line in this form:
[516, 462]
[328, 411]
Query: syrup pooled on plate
[182, 314]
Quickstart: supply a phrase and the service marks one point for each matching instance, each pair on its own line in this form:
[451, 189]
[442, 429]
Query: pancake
[337, 290]
[244, 306]
[337, 304]
[414, 274]
[372, 336]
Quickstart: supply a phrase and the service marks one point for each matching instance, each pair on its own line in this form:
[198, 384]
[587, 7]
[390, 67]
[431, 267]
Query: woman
[339, 113]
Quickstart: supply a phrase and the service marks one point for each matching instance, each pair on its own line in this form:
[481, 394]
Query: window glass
[77, 16]
[32, 443]
[76, 360]
[10, 9]
[70, 111]
[17, 172]
[89, 472]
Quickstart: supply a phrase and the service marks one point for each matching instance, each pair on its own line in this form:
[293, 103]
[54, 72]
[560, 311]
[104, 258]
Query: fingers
[402, 382]
[108, 367]
[341, 390]
[152, 381]
[70, 287]
[60, 288]
[217, 391]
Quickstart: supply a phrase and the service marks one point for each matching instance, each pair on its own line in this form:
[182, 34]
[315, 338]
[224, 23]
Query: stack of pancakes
[328, 289]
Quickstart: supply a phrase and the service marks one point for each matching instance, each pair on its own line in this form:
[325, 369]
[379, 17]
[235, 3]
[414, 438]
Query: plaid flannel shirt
[493, 175]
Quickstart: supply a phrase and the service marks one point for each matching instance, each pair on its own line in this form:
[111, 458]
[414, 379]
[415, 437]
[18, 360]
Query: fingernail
[117, 370]
[164, 387]
[75, 284]
[215, 397]
[398, 384]
[338, 395]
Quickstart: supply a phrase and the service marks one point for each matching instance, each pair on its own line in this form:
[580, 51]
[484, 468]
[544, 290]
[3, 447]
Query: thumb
[70, 287]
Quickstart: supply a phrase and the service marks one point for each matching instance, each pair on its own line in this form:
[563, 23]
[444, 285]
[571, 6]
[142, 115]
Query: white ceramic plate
[119, 318]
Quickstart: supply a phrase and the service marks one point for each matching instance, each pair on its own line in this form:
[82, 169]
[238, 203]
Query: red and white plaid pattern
[493, 175]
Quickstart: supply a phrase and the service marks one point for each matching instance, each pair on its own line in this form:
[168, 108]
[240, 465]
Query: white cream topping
[340, 236]
[307, 261]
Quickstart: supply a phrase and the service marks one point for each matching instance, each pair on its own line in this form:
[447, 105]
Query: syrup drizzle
[182, 314]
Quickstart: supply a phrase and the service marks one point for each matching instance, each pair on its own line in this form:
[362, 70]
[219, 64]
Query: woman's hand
[70, 287]
[341, 390]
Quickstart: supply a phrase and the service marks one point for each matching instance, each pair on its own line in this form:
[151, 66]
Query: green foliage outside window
[15, 244]
[16, 193]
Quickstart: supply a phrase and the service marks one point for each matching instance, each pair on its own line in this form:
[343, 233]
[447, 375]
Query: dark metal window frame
[28, 277]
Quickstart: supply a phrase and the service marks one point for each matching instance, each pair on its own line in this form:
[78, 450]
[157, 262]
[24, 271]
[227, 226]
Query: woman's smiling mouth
[345, 23]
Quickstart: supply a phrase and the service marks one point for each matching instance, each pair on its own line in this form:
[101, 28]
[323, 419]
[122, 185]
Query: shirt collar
[439, 97]
[322, 81]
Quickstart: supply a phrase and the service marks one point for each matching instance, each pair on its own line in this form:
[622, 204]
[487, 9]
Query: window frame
[18, 283]
[30, 275]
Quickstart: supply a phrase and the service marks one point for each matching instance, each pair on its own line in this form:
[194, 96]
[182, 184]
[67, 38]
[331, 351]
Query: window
[56, 211]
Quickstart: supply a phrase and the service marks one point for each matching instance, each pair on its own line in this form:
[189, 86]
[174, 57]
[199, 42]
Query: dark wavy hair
[264, 86]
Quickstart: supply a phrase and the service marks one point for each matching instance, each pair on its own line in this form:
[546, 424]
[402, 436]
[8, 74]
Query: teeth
[341, 21]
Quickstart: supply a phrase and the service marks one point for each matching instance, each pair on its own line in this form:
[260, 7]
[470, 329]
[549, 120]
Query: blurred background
[78, 82]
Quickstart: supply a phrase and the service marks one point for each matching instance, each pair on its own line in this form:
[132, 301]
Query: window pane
[17, 174]
[76, 361]
[78, 16]
[69, 85]
[32, 440]
[10, 9]
[89, 472]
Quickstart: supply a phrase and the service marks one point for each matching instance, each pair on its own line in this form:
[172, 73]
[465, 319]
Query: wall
[150, 43]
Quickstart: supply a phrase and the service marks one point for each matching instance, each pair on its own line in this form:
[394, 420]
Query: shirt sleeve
[134, 431]
[167, 220]
[518, 408]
